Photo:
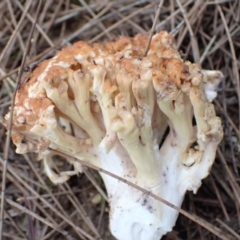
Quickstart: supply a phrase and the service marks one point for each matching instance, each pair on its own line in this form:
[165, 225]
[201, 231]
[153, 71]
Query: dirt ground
[206, 32]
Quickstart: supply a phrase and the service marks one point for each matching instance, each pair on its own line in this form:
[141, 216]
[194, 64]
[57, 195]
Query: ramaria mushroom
[110, 106]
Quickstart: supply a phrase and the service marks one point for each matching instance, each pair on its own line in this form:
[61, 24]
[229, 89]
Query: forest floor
[207, 33]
